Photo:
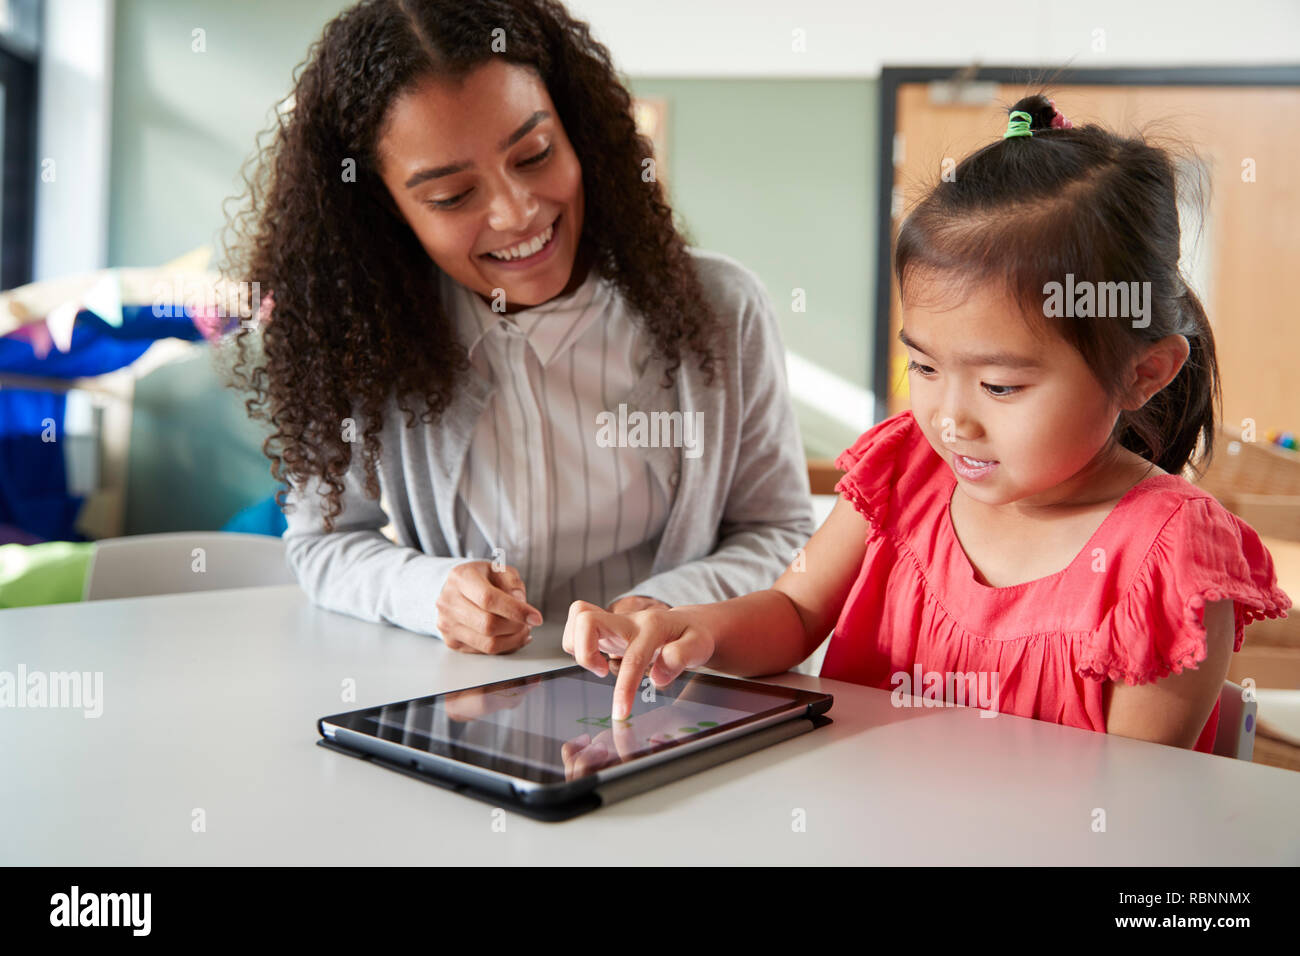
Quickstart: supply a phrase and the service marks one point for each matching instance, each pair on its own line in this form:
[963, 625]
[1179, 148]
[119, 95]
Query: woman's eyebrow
[1002, 359]
[434, 172]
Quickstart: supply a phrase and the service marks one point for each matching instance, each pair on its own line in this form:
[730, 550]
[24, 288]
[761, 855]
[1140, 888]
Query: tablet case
[614, 790]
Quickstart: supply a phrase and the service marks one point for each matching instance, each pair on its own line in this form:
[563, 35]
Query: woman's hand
[482, 611]
[478, 702]
[663, 641]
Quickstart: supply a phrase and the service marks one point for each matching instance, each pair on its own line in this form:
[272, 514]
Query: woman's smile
[528, 253]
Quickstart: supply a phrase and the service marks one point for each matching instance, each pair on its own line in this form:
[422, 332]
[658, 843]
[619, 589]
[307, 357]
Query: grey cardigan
[741, 509]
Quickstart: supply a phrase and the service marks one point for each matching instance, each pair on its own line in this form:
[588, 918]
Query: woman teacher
[488, 331]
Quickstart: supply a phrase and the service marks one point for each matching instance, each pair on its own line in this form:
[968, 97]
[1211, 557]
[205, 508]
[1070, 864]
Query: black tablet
[548, 739]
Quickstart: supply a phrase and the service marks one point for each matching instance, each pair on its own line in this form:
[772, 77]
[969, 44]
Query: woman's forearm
[759, 633]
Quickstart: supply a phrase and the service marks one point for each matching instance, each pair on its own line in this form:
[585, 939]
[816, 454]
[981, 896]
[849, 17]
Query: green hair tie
[1018, 127]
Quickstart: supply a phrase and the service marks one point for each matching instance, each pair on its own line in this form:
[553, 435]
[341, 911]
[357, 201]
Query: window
[19, 41]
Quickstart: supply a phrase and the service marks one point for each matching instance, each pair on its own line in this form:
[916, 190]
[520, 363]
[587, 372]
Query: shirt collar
[550, 328]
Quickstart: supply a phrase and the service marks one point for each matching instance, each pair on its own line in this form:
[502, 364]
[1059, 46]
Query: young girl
[1027, 521]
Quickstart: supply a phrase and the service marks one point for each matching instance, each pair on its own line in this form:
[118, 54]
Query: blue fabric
[33, 478]
[264, 517]
[97, 347]
[139, 322]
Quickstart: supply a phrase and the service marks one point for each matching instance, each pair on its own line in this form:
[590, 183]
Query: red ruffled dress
[1132, 611]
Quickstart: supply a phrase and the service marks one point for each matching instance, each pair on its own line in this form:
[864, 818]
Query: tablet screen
[557, 726]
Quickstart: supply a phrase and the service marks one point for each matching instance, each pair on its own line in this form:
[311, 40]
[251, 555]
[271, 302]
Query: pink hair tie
[1058, 118]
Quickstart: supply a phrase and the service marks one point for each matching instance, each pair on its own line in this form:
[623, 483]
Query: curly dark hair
[356, 313]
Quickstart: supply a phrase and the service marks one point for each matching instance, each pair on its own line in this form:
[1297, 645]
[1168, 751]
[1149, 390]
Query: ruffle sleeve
[871, 465]
[1204, 553]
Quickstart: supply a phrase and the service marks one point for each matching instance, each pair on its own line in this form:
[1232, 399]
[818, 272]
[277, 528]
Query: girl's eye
[534, 160]
[997, 391]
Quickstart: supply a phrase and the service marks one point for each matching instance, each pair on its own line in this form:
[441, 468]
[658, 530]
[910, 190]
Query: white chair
[1236, 734]
[179, 562]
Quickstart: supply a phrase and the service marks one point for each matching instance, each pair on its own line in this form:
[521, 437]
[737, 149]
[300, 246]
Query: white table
[210, 701]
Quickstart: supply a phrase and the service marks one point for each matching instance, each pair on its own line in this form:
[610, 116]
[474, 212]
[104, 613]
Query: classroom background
[791, 137]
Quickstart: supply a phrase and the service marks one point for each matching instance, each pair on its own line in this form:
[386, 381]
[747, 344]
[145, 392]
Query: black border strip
[18, 167]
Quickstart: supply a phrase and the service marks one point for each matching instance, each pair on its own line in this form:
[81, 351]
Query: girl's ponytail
[1169, 427]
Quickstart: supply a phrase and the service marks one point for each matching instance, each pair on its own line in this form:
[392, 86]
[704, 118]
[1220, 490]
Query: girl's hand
[663, 641]
[625, 738]
[626, 605]
[583, 755]
[635, 602]
[482, 611]
[1174, 709]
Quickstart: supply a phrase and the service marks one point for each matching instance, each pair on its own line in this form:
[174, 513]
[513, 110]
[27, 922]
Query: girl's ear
[1155, 368]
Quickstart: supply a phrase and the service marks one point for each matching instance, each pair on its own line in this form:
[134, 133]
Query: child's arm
[1174, 710]
[761, 633]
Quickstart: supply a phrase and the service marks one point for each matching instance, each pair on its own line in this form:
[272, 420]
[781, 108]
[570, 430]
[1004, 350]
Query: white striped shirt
[537, 492]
